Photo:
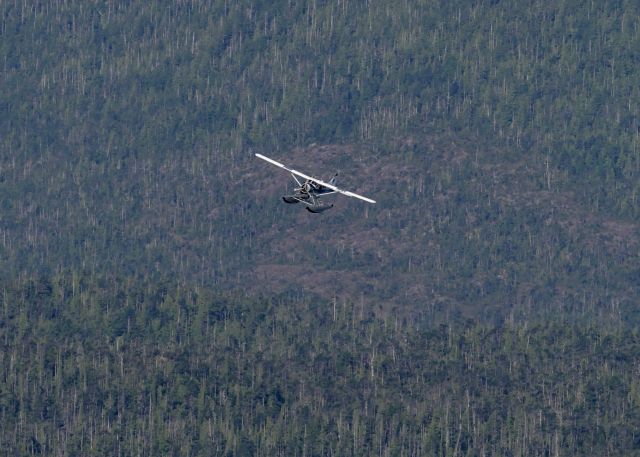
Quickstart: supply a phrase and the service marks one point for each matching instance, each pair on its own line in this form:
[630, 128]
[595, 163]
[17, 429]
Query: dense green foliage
[126, 130]
[499, 138]
[122, 367]
[109, 81]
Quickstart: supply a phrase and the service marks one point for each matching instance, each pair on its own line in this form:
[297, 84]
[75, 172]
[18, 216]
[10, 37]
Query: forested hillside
[123, 367]
[157, 298]
[499, 138]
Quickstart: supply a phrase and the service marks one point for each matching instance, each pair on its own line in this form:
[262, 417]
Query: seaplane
[309, 191]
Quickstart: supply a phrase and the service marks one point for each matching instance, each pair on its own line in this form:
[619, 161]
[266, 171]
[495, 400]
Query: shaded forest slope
[452, 230]
[501, 140]
[94, 367]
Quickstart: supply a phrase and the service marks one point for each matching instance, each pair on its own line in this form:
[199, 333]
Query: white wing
[310, 178]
